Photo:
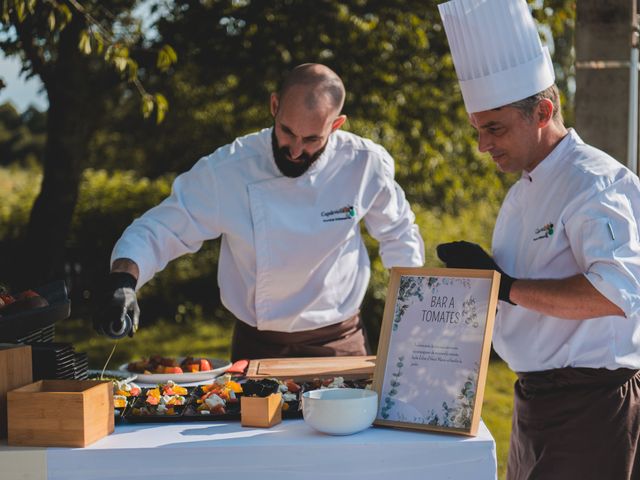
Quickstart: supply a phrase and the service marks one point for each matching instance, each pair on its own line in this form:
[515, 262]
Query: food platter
[138, 409]
[218, 368]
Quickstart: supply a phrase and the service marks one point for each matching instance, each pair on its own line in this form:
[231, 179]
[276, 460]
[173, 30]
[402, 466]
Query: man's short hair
[325, 81]
[528, 105]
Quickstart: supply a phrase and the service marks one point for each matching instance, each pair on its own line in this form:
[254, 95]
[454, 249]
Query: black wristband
[122, 280]
[505, 288]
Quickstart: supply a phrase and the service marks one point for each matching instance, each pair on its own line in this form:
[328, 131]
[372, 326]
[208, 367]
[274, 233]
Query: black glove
[471, 255]
[117, 312]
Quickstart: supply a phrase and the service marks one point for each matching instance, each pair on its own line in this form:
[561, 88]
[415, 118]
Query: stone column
[603, 52]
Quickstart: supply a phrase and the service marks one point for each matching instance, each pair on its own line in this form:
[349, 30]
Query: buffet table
[227, 450]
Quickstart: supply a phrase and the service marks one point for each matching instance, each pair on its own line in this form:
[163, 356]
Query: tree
[22, 137]
[392, 55]
[559, 19]
[55, 40]
[394, 59]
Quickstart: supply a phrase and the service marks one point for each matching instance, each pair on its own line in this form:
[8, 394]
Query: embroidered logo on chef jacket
[343, 213]
[544, 232]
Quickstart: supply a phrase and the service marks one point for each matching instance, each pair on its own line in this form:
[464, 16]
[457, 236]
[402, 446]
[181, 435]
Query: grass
[212, 339]
[497, 408]
[197, 338]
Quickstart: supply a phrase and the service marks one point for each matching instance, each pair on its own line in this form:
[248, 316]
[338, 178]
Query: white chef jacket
[574, 213]
[292, 256]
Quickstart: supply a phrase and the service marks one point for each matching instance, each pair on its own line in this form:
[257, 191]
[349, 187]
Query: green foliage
[104, 29]
[393, 56]
[19, 188]
[402, 93]
[22, 136]
[202, 337]
[497, 409]
[559, 19]
[108, 202]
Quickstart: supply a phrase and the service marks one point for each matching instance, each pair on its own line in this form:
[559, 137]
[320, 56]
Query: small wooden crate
[15, 371]
[60, 413]
[261, 412]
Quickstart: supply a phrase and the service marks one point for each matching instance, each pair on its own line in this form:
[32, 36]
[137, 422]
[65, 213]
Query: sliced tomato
[173, 370]
[292, 386]
[205, 365]
[6, 298]
[27, 294]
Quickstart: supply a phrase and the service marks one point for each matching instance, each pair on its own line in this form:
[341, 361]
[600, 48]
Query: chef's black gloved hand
[471, 255]
[117, 313]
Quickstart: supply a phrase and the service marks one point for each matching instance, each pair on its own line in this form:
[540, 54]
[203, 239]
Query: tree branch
[26, 38]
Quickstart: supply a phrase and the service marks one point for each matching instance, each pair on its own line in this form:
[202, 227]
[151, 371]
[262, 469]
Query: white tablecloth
[229, 451]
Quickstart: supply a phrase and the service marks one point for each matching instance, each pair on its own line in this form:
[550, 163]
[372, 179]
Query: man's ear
[275, 101]
[338, 122]
[544, 112]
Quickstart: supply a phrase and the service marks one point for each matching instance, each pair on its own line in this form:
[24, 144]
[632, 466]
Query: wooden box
[262, 412]
[15, 371]
[60, 413]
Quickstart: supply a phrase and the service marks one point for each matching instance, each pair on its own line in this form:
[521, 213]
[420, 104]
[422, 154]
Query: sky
[19, 91]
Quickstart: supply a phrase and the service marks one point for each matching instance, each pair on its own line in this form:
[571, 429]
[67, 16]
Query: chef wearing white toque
[566, 241]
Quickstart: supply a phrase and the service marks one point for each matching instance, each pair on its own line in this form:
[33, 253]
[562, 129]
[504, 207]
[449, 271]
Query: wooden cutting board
[351, 368]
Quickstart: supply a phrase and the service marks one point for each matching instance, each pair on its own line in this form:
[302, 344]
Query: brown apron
[576, 423]
[341, 339]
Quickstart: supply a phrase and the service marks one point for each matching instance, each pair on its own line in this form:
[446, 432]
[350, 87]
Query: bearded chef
[287, 202]
[566, 241]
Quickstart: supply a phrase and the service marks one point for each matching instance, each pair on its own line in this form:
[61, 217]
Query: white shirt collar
[548, 165]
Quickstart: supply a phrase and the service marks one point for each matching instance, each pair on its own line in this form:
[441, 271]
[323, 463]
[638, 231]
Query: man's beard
[288, 167]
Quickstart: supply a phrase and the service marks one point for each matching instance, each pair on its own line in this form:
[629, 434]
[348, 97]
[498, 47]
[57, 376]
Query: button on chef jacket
[574, 213]
[292, 256]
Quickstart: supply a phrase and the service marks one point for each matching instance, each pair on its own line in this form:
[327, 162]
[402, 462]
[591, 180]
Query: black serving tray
[26, 323]
[188, 412]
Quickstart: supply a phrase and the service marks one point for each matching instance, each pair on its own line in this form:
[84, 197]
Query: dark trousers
[576, 423]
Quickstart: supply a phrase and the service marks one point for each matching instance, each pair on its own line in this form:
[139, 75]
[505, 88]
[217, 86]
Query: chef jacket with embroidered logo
[574, 213]
[292, 257]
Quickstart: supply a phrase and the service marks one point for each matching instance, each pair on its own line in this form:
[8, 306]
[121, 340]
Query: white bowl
[339, 411]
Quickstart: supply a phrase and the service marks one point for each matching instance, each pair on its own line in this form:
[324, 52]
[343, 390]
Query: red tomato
[6, 298]
[172, 370]
[292, 386]
[27, 294]
[204, 365]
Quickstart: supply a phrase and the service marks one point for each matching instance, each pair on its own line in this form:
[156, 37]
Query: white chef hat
[496, 52]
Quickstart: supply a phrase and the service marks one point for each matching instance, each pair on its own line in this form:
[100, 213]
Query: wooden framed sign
[434, 348]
